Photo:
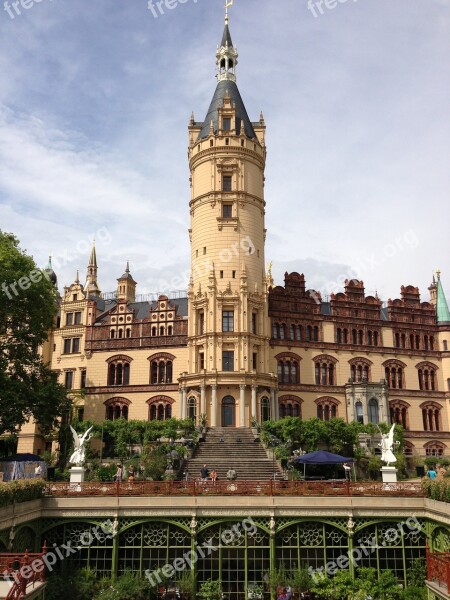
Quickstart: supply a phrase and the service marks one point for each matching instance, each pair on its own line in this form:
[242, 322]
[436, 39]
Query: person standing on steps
[204, 473]
[213, 476]
[231, 474]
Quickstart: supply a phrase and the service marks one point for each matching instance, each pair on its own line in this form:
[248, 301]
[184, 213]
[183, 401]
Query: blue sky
[95, 100]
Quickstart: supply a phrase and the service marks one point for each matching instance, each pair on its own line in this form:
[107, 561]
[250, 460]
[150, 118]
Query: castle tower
[91, 288]
[126, 289]
[228, 376]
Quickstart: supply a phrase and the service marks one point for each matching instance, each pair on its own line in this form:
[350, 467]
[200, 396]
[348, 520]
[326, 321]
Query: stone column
[183, 403]
[254, 409]
[214, 406]
[242, 405]
[203, 399]
[272, 404]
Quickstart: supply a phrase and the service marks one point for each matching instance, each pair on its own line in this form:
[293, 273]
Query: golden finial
[228, 3]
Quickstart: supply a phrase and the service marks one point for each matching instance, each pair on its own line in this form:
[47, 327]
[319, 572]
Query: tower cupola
[227, 55]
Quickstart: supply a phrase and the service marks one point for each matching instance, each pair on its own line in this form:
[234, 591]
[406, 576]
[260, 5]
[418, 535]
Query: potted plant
[210, 590]
[186, 585]
[203, 421]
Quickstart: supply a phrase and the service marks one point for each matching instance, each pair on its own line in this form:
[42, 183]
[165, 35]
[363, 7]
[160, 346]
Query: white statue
[79, 442]
[387, 445]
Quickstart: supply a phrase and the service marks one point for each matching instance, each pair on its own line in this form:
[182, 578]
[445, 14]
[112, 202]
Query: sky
[95, 100]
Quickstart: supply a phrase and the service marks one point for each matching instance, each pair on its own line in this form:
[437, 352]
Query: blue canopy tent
[22, 466]
[321, 457]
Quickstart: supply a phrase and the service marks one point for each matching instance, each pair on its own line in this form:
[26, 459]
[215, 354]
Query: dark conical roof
[242, 119]
[226, 38]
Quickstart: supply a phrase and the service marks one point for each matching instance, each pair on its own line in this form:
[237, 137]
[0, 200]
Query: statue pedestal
[389, 474]
[77, 474]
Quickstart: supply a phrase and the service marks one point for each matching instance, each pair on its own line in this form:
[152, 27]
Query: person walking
[119, 474]
[432, 473]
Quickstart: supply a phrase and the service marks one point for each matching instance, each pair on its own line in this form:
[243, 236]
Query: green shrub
[23, 490]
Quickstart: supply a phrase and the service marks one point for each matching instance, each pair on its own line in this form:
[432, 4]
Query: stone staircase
[227, 448]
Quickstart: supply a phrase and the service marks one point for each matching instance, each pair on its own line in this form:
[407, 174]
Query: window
[68, 380]
[119, 372]
[77, 318]
[201, 323]
[75, 297]
[360, 370]
[161, 371]
[226, 183]
[289, 406]
[201, 361]
[324, 370]
[227, 360]
[80, 413]
[435, 449]
[71, 345]
[228, 320]
[327, 408]
[373, 411]
[192, 408]
[233, 274]
[117, 408]
[227, 211]
[254, 323]
[431, 416]
[226, 124]
[288, 371]
[160, 408]
[445, 345]
[69, 318]
[265, 409]
[399, 413]
[359, 412]
[427, 376]
[254, 361]
[221, 274]
[83, 379]
[394, 374]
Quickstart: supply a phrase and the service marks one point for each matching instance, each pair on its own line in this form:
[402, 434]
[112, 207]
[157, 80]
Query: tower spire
[91, 287]
[228, 3]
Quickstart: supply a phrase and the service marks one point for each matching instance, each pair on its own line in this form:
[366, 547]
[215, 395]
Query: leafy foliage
[23, 490]
[28, 389]
[210, 590]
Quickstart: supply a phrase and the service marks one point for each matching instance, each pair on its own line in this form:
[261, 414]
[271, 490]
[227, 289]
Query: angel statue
[79, 442]
[386, 445]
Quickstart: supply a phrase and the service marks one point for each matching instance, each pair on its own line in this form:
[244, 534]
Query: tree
[28, 388]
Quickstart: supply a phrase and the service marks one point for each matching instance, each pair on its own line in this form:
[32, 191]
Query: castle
[236, 348]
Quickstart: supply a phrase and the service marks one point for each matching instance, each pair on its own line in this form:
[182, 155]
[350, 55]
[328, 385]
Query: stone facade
[236, 347]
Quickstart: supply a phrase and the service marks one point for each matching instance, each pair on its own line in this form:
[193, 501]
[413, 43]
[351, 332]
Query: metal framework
[141, 544]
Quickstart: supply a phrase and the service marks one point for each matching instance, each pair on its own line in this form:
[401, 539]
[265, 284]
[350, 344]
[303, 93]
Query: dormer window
[227, 124]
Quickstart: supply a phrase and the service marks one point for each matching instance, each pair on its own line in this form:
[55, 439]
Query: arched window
[325, 369]
[427, 376]
[288, 372]
[360, 369]
[117, 408]
[399, 413]
[192, 408]
[373, 411]
[292, 332]
[299, 333]
[161, 368]
[120, 332]
[275, 331]
[435, 449]
[154, 330]
[339, 335]
[345, 334]
[265, 409]
[162, 330]
[128, 333]
[431, 416]
[112, 334]
[327, 408]
[119, 370]
[160, 408]
[309, 333]
[354, 336]
[359, 412]
[289, 406]
[360, 337]
[394, 373]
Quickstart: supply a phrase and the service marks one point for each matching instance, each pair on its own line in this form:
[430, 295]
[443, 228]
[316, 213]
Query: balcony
[438, 573]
